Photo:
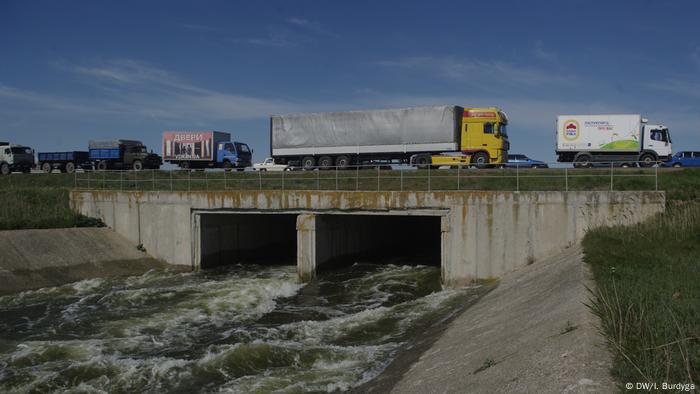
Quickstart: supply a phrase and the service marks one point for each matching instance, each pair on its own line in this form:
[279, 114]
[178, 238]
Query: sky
[72, 71]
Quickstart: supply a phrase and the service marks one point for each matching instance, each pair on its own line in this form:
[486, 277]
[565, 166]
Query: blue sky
[75, 70]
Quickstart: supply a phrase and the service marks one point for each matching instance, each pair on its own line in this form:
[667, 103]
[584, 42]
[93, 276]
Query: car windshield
[21, 150]
[242, 148]
[502, 129]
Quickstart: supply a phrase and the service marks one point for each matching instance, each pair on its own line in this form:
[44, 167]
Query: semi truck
[205, 149]
[123, 155]
[64, 161]
[423, 136]
[625, 140]
[15, 158]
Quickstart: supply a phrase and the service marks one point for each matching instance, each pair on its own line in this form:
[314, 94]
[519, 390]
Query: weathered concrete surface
[31, 259]
[532, 334]
[483, 234]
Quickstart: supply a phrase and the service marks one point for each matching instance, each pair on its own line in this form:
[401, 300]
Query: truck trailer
[422, 136]
[626, 140]
[123, 155]
[205, 149]
[64, 161]
[15, 158]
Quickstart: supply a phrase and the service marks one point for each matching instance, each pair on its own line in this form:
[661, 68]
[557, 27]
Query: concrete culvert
[390, 239]
[268, 239]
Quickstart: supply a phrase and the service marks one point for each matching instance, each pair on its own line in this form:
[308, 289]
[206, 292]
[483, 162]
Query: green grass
[648, 295]
[681, 184]
[25, 208]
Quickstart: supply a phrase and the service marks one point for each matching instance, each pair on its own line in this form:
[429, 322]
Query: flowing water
[236, 329]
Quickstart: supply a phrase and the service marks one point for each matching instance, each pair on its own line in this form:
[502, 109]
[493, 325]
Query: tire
[102, 166]
[228, 166]
[582, 161]
[325, 162]
[677, 165]
[342, 162]
[70, 167]
[646, 160]
[263, 170]
[625, 165]
[308, 163]
[423, 162]
[185, 165]
[481, 159]
[5, 169]
[137, 165]
[46, 167]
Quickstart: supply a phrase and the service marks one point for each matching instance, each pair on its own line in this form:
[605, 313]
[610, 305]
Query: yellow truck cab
[483, 139]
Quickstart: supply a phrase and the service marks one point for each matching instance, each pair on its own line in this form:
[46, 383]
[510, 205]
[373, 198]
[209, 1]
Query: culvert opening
[381, 239]
[268, 239]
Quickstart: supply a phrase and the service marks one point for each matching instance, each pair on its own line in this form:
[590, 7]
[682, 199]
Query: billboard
[188, 145]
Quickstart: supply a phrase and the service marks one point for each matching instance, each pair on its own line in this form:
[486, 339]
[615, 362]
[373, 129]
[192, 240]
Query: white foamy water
[241, 329]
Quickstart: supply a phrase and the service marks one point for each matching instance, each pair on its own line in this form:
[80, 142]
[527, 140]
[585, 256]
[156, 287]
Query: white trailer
[623, 139]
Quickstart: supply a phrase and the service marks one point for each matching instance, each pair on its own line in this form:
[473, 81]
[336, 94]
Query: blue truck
[64, 161]
[205, 149]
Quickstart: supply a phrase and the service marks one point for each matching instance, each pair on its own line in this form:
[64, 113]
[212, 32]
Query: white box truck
[626, 140]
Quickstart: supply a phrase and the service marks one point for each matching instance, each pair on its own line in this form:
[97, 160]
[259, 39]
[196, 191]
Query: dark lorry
[122, 155]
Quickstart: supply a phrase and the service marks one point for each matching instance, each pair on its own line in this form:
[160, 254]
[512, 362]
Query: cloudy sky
[75, 70]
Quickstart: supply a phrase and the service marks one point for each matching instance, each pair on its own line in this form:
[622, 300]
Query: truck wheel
[137, 165]
[5, 169]
[677, 165]
[423, 161]
[342, 162]
[481, 159]
[46, 167]
[70, 167]
[227, 166]
[325, 162]
[102, 165]
[583, 161]
[308, 163]
[647, 160]
[185, 165]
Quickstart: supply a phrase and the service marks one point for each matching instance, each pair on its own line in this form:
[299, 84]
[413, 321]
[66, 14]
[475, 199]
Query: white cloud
[675, 86]
[481, 73]
[311, 26]
[541, 53]
[138, 89]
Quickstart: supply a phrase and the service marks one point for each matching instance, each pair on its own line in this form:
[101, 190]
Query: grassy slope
[39, 208]
[648, 295]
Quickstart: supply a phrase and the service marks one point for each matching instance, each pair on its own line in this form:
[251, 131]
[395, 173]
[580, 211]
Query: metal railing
[604, 176]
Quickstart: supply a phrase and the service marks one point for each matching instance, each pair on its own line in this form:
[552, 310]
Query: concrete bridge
[471, 235]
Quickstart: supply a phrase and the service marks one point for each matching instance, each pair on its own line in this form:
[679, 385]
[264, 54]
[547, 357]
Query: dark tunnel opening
[379, 239]
[266, 239]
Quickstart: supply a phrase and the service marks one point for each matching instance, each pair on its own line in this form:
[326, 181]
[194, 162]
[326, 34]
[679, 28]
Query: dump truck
[625, 140]
[422, 136]
[64, 161]
[15, 158]
[205, 149]
[122, 155]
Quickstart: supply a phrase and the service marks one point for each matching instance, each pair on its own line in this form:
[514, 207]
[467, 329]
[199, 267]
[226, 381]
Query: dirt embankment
[31, 259]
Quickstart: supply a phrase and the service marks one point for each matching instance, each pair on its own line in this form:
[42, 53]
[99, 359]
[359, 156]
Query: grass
[648, 295]
[31, 208]
[681, 184]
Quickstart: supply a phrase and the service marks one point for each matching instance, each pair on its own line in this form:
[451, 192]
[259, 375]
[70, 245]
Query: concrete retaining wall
[484, 234]
[32, 259]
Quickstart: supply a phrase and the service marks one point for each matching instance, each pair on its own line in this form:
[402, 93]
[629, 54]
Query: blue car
[523, 161]
[684, 159]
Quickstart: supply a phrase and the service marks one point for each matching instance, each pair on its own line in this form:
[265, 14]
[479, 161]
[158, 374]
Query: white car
[269, 165]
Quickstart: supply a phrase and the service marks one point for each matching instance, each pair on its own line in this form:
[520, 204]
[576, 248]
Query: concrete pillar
[306, 247]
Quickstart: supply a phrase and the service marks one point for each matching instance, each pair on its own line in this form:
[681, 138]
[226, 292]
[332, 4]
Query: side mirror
[252, 151]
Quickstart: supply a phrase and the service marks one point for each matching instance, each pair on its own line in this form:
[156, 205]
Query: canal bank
[32, 259]
[533, 333]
